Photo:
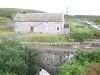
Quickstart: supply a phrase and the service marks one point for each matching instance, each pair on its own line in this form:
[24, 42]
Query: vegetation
[93, 69]
[4, 21]
[6, 31]
[96, 34]
[16, 59]
[81, 31]
[10, 12]
[77, 26]
[36, 37]
[90, 18]
[7, 13]
[80, 37]
[81, 64]
[97, 21]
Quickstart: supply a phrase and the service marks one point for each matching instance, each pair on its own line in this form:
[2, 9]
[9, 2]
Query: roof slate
[48, 17]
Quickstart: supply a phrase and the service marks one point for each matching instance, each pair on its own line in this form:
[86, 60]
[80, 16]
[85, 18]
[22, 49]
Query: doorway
[31, 29]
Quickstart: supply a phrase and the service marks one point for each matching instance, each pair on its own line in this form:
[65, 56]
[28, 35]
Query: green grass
[4, 21]
[97, 21]
[36, 37]
[6, 31]
[77, 26]
[80, 31]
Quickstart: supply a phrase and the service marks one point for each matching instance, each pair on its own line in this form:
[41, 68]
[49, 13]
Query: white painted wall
[44, 27]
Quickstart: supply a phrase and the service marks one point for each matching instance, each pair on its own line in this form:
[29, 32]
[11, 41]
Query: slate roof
[39, 17]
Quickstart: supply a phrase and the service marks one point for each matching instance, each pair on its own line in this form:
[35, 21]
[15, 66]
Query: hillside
[10, 12]
[93, 18]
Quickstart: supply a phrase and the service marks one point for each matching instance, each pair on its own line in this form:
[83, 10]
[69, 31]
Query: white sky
[75, 7]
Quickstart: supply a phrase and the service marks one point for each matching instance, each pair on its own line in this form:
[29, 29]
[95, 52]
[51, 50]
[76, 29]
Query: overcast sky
[75, 7]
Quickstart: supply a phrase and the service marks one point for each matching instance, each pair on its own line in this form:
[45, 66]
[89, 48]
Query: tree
[16, 59]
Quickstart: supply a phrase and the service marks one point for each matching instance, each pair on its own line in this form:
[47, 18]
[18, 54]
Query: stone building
[52, 23]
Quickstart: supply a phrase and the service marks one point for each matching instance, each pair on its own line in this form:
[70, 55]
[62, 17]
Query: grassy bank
[6, 31]
[80, 31]
[36, 37]
[77, 26]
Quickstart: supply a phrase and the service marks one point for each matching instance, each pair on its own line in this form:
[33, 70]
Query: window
[57, 28]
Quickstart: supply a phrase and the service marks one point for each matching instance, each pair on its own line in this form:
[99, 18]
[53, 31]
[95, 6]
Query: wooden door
[31, 29]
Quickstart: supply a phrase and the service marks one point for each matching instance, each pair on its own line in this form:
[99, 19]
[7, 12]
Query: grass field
[5, 21]
[6, 31]
[77, 26]
[36, 37]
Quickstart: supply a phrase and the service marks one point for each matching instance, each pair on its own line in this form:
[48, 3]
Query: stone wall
[53, 55]
[66, 44]
[43, 27]
[52, 59]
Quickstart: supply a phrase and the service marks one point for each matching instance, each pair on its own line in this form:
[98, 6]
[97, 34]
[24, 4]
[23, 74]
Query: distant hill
[92, 18]
[82, 16]
[10, 12]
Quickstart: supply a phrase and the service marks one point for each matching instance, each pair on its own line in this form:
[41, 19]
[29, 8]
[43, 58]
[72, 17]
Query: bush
[79, 63]
[71, 68]
[93, 69]
[16, 59]
[96, 34]
[4, 21]
[97, 20]
[83, 57]
[79, 37]
[7, 73]
[78, 26]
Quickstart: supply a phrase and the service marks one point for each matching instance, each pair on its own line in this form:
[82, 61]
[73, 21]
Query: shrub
[79, 37]
[3, 21]
[78, 65]
[84, 57]
[8, 13]
[78, 26]
[71, 68]
[97, 20]
[96, 34]
[16, 59]
[93, 69]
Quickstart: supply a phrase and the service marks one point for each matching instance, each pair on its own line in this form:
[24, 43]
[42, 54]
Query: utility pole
[67, 18]
[67, 13]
